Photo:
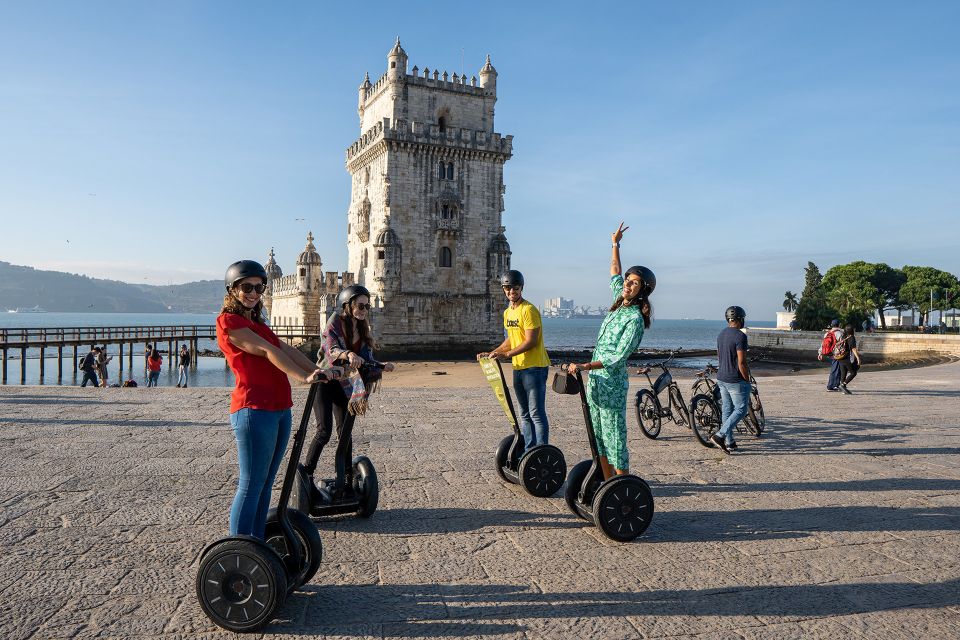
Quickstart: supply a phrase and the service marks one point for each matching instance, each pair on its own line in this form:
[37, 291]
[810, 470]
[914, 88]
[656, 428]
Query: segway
[243, 580]
[621, 507]
[354, 490]
[541, 470]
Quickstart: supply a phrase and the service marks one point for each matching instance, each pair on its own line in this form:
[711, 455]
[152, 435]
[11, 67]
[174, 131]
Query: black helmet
[735, 313]
[243, 269]
[349, 293]
[647, 276]
[512, 278]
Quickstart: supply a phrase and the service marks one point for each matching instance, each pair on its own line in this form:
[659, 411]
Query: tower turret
[488, 78]
[309, 266]
[274, 273]
[397, 63]
[364, 91]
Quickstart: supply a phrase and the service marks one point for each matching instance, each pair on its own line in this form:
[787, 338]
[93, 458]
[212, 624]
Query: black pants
[331, 402]
[848, 371]
[89, 375]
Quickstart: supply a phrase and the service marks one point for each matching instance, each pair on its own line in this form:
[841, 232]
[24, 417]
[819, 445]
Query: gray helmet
[735, 313]
[243, 269]
[512, 278]
[346, 296]
[647, 276]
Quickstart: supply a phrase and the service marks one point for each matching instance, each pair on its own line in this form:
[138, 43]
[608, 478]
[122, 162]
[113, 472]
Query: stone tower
[424, 227]
[274, 273]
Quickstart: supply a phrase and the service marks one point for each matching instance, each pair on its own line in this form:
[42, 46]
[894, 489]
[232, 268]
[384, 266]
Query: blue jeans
[530, 387]
[182, 378]
[261, 441]
[834, 380]
[736, 399]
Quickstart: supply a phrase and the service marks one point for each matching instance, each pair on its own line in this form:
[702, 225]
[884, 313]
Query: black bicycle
[650, 411]
[705, 407]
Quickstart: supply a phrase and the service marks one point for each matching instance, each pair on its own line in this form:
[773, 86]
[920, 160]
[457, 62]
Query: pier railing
[23, 339]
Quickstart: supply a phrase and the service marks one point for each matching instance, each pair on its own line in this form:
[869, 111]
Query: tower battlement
[415, 132]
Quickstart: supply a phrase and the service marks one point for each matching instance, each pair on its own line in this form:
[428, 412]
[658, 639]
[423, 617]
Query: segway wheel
[309, 538]
[574, 481]
[240, 584]
[704, 418]
[500, 457]
[543, 470]
[367, 486]
[648, 413]
[623, 508]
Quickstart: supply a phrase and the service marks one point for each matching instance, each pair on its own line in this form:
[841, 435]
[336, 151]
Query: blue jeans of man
[182, 377]
[530, 387]
[261, 442]
[736, 399]
[833, 381]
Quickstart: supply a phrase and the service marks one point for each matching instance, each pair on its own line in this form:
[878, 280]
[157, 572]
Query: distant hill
[59, 291]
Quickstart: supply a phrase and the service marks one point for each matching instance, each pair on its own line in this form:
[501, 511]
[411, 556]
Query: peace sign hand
[618, 234]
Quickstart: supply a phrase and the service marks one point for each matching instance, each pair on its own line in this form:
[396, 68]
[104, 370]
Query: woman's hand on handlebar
[354, 360]
[320, 375]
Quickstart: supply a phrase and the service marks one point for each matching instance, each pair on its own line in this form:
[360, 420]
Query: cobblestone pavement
[842, 521]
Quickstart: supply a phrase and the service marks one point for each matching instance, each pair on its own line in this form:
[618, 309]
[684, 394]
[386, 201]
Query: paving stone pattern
[842, 521]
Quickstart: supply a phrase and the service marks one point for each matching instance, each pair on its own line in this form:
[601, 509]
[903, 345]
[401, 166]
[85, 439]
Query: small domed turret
[309, 254]
[397, 62]
[273, 269]
[488, 77]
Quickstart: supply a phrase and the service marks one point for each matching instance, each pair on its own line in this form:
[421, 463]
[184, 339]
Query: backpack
[829, 342]
[840, 350]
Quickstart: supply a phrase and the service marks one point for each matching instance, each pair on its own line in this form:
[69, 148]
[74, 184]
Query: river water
[574, 333]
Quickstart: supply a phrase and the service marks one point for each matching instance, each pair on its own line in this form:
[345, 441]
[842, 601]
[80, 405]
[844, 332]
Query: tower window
[450, 171]
[446, 257]
[442, 123]
[441, 171]
[303, 272]
[393, 65]
[381, 254]
[445, 212]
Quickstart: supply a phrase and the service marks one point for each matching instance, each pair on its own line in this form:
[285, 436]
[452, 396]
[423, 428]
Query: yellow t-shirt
[516, 322]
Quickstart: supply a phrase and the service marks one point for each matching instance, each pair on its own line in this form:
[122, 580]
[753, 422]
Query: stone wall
[874, 347]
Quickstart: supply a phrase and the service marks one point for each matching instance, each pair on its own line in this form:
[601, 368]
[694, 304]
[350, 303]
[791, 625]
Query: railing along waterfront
[42, 338]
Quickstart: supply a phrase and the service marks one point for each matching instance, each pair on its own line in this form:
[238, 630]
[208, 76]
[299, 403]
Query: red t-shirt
[154, 363]
[260, 385]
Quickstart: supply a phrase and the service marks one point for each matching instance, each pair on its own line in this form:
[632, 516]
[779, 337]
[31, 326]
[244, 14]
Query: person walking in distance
[830, 338]
[733, 377]
[154, 363]
[620, 335]
[849, 358]
[89, 367]
[102, 361]
[146, 362]
[524, 346]
[183, 367]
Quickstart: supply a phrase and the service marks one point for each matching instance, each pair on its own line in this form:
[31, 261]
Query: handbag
[565, 383]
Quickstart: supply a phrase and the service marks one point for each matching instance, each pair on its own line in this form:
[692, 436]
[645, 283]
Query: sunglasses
[246, 287]
[363, 306]
[512, 287]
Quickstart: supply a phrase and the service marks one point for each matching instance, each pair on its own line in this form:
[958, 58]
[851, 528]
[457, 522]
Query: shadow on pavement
[398, 611]
[417, 520]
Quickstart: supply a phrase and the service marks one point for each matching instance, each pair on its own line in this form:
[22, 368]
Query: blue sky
[157, 142]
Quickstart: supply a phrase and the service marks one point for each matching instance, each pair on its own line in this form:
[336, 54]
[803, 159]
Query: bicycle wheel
[704, 418]
[648, 413]
[756, 413]
[678, 410]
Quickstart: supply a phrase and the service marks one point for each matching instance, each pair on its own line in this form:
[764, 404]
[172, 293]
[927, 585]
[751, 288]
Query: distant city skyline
[157, 143]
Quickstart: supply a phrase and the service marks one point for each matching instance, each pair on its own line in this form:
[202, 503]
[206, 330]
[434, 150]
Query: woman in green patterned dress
[620, 334]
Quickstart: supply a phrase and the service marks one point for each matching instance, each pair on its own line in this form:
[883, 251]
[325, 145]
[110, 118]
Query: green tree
[864, 287]
[790, 301]
[813, 310]
[921, 283]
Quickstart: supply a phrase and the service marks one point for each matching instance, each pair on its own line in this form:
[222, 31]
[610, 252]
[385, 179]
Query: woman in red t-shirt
[260, 403]
[154, 361]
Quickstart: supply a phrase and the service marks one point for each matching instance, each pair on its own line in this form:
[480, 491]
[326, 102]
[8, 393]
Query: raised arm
[615, 237]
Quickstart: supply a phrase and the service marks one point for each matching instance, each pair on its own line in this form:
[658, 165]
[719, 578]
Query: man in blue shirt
[733, 377]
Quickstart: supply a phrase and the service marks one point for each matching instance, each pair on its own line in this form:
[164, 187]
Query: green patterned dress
[620, 334]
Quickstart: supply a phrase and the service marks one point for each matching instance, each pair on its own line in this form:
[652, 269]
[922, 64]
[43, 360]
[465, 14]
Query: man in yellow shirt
[524, 345]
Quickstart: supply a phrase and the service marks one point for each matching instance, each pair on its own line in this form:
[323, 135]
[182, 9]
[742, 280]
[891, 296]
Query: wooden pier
[124, 338]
